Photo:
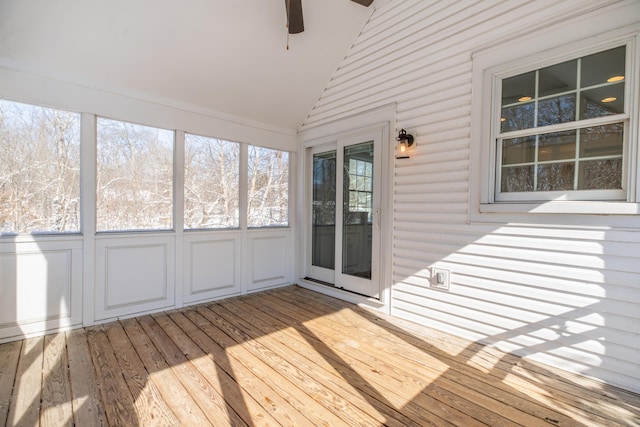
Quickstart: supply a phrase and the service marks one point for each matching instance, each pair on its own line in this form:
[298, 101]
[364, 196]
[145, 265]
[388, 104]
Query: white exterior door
[345, 213]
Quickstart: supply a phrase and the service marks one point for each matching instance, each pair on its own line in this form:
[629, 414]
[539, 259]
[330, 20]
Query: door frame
[381, 119]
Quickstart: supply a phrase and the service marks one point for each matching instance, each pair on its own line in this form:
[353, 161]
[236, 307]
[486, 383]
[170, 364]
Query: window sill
[6, 237]
[564, 207]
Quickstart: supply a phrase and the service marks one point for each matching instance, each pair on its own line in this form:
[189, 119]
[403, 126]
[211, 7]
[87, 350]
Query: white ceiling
[224, 55]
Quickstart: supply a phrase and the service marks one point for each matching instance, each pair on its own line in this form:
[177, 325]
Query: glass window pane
[363, 200]
[515, 179]
[558, 78]
[517, 117]
[560, 109]
[39, 169]
[516, 87]
[557, 146]
[604, 140]
[599, 68]
[600, 175]
[555, 177]
[353, 201]
[268, 192]
[353, 183]
[324, 210]
[355, 165]
[602, 101]
[357, 217]
[518, 150]
[211, 181]
[134, 177]
[368, 184]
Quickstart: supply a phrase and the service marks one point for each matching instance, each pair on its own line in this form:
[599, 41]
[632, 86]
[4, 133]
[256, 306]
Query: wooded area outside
[134, 177]
[39, 169]
[268, 187]
[211, 183]
[40, 176]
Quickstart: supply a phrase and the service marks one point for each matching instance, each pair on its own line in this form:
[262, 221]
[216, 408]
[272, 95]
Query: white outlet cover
[443, 274]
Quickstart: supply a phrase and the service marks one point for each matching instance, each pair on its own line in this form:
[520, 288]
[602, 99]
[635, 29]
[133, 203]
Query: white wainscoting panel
[40, 286]
[212, 265]
[134, 274]
[270, 258]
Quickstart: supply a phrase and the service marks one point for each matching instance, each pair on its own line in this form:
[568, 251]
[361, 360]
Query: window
[562, 130]
[211, 183]
[39, 169]
[268, 188]
[360, 183]
[134, 177]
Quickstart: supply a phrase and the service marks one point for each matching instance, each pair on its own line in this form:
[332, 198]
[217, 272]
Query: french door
[344, 229]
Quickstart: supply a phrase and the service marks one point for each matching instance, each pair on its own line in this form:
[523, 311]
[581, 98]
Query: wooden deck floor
[287, 357]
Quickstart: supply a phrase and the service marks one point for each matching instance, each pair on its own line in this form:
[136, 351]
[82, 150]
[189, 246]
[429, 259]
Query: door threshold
[343, 294]
[331, 285]
[320, 282]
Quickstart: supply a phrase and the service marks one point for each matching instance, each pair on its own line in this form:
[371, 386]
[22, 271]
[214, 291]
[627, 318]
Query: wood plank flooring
[288, 357]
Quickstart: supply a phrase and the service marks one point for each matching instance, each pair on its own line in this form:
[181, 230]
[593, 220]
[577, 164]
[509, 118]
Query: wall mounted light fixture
[405, 146]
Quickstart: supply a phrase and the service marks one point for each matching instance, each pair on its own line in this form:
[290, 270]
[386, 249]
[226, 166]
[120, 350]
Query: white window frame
[514, 57]
[497, 136]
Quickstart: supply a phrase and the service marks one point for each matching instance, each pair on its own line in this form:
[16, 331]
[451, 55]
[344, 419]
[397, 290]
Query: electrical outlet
[440, 278]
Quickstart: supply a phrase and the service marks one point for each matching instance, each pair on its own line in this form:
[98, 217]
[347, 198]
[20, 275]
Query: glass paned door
[358, 225]
[345, 213]
[357, 212]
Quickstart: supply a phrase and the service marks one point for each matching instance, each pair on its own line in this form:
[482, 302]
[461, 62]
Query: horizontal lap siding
[568, 296]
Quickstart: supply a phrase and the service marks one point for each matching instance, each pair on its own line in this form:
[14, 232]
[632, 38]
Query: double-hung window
[561, 131]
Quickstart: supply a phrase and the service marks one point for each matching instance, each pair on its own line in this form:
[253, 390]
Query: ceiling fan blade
[364, 2]
[294, 16]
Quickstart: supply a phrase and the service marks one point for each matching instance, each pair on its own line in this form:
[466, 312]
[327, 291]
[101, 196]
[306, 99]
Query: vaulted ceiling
[224, 55]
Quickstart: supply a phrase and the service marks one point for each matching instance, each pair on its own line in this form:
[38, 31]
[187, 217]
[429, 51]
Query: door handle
[378, 220]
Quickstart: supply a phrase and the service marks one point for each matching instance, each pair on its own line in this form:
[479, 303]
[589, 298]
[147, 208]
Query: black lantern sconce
[405, 146]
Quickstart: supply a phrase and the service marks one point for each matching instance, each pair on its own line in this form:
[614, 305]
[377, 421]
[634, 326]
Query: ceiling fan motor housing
[295, 23]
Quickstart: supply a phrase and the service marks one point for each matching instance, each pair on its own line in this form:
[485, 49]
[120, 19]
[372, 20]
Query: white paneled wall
[212, 265]
[270, 255]
[563, 291]
[41, 285]
[133, 274]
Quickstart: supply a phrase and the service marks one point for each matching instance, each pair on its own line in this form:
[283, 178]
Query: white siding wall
[565, 295]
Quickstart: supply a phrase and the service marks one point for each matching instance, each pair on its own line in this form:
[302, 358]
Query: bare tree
[40, 176]
[211, 183]
[39, 169]
[268, 192]
[134, 177]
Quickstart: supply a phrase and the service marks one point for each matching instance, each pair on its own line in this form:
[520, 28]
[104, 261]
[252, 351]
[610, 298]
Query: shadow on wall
[36, 294]
[567, 297]
[40, 284]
